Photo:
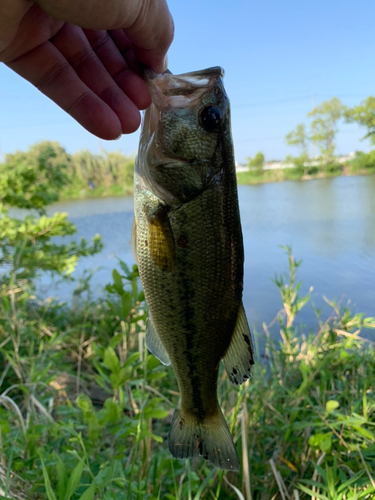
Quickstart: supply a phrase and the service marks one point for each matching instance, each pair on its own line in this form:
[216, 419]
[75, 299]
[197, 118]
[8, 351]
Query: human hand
[85, 55]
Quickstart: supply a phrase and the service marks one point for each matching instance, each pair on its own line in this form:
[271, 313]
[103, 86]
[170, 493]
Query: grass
[357, 166]
[73, 191]
[85, 410]
[287, 174]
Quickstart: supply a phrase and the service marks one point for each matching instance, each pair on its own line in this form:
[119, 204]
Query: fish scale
[184, 322]
[189, 249]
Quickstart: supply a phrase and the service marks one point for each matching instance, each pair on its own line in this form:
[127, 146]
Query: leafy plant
[257, 163]
[28, 245]
[85, 409]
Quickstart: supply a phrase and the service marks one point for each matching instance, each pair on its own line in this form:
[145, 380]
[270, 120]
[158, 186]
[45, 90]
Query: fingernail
[119, 137]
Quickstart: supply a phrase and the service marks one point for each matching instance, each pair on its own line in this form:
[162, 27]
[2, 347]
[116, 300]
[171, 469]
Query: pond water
[329, 223]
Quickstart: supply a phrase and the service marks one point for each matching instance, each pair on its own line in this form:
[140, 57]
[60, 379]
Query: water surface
[329, 223]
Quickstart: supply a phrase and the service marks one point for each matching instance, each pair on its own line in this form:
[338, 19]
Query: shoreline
[282, 175]
[243, 178]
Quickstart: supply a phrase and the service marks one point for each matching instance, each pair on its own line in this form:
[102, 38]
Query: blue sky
[276, 55]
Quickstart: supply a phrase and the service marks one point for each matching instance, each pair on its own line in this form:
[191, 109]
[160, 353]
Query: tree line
[83, 171]
[321, 134]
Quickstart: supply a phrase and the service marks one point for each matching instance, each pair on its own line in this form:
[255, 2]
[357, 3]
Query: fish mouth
[161, 161]
[181, 91]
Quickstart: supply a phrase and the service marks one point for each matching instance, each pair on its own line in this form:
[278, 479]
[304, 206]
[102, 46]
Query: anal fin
[239, 357]
[154, 344]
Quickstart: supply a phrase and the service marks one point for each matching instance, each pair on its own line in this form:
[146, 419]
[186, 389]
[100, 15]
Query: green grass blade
[74, 480]
[47, 482]
[203, 485]
[89, 493]
[62, 479]
[312, 493]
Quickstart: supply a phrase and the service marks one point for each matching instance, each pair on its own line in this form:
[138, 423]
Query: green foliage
[324, 127]
[28, 245]
[49, 171]
[301, 167]
[363, 161]
[85, 410]
[109, 173]
[255, 177]
[33, 179]
[108, 168]
[288, 287]
[298, 137]
[256, 164]
[279, 175]
[323, 131]
[294, 174]
[364, 115]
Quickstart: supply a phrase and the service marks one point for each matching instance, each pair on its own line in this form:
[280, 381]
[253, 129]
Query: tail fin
[210, 438]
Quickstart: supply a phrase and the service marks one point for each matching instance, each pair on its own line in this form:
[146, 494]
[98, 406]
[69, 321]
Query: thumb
[12, 11]
[152, 34]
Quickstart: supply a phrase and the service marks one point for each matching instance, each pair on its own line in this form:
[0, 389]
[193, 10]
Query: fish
[188, 245]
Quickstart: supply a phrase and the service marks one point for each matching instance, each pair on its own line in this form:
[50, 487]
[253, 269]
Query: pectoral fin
[154, 344]
[161, 241]
[239, 357]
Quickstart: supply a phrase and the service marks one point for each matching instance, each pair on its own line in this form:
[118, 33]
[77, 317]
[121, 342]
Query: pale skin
[87, 55]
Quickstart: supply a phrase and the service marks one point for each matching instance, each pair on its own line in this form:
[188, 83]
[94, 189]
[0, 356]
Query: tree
[298, 137]
[32, 181]
[257, 162]
[364, 115]
[324, 126]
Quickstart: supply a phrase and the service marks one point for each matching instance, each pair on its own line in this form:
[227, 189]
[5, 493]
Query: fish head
[185, 133]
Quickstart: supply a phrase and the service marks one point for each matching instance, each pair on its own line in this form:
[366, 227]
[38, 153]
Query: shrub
[363, 161]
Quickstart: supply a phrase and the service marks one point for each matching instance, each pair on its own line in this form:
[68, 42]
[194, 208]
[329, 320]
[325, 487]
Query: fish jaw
[177, 149]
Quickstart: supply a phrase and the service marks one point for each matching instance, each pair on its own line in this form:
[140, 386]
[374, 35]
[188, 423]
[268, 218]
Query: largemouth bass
[188, 245]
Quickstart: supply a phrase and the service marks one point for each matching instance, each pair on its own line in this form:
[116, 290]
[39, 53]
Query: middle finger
[74, 46]
[116, 63]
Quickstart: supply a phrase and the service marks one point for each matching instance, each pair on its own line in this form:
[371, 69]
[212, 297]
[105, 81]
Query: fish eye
[210, 118]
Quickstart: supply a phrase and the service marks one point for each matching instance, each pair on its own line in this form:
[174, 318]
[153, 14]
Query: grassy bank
[82, 192]
[85, 409]
[294, 174]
